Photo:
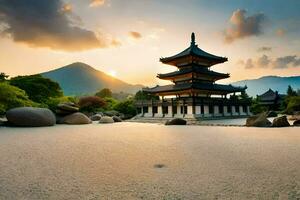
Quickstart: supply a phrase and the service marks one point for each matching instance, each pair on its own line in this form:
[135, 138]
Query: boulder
[75, 118]
[176, 121]
[259, 120]
[106, 120]
[296, 123]
[117, 119]
[30, 117]
[96, 117]
[272, 114]
[62, 112]
[280, 122]
[67, 107]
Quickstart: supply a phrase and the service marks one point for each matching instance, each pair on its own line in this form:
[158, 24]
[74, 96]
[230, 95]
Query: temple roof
[199, 86]
[194, 50]
[270, 95]
[195, 70]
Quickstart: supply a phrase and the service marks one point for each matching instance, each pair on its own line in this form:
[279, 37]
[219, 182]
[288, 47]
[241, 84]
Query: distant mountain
[261, 85]
[79, 79]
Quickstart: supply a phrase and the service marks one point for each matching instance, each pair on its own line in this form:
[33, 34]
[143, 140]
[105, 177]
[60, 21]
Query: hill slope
[79, 78]
[261, 85]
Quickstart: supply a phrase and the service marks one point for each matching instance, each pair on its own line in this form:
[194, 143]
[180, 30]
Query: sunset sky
[127, 38]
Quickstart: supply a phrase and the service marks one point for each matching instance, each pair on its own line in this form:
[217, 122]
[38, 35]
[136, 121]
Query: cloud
[249, 64]
[286, 61]
[265, 62]
[116, 43]
[67, 8]
[242, 26]
[264, 49]
[96, 3]
[280, 32]
[47, 23]
[135, 35]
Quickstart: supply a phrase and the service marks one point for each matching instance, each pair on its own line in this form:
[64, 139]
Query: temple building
[194, 93]
[272, 100]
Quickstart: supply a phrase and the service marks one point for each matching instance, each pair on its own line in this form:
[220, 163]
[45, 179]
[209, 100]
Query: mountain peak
[79, 65]
[79, 78]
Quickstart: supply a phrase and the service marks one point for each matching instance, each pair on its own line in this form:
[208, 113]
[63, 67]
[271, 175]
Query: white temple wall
[241, 111]
[217, 111]
[179, 114]
[248, 110]
[189, 112]
[226, 113]
[169, 114]
[234, 112]
[198, 110]
[149, 113]
[206, 111]
[159, 112]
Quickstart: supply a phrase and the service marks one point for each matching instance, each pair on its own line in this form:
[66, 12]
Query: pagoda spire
[193, 39]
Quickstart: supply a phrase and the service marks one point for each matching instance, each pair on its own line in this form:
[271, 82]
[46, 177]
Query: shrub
[142, 95]
[52, 103]
[11, 97]
[293, 104]
[110, 103]
[257, 108]
[126, 107]
[91, 103]
[38, 88]
[104, 93]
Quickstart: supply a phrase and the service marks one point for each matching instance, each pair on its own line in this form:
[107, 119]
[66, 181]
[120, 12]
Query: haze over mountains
[80, 78]
[261, 85]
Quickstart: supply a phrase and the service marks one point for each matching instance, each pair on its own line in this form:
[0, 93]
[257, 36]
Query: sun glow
[112, 73]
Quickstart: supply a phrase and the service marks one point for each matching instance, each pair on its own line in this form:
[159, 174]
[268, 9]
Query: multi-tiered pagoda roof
[193, 75]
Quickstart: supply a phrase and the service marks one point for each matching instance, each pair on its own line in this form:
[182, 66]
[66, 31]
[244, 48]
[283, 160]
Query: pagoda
[194, 93]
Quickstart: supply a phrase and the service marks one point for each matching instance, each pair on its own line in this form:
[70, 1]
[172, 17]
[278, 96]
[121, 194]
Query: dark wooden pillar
[172, 107]
[152, 107]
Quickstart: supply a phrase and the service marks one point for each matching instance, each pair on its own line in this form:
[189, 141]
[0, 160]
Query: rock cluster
[30, 117]
[280, 122]
[67, 108]
[176, 121]
[96, 117]
[117, 119]
[259, 120]
[75, 118]
[67, 113]
[106, 120]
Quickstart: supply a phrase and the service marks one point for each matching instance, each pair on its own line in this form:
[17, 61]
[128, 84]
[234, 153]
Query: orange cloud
[50, 27]
[242, 26]
[135, 35]
[96, 3]
[116, 43]
[67, 8]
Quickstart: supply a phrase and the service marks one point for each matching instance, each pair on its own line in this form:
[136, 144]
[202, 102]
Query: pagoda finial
[193, 38]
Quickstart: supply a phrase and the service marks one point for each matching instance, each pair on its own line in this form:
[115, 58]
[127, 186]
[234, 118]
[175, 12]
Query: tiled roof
[200, 86]
[196, 70]
[195, 51]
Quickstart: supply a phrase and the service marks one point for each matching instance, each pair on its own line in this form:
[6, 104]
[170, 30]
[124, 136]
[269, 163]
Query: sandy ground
[149, 161]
